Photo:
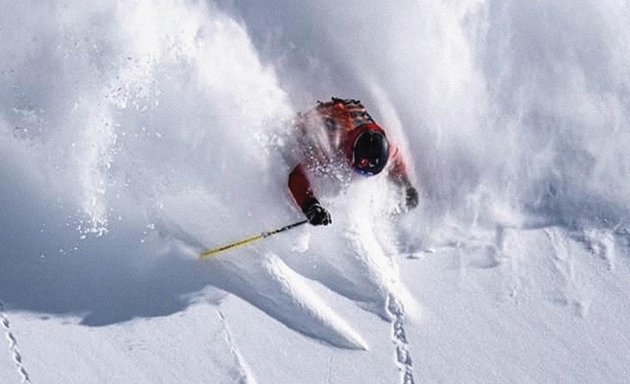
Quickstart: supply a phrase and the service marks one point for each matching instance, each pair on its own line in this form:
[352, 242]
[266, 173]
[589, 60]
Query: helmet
[370, 152]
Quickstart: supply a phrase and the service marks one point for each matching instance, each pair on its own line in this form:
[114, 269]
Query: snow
[135, 135]
[548, 316]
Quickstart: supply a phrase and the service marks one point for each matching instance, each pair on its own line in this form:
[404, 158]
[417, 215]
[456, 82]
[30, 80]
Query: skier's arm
[398, 174]
[300, 188]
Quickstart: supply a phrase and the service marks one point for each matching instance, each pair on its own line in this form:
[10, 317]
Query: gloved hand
[315, 213]
[411, 197]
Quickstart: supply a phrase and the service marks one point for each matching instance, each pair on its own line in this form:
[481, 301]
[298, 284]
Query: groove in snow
[13, 346]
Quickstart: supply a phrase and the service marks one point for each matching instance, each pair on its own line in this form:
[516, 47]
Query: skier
[339, 139]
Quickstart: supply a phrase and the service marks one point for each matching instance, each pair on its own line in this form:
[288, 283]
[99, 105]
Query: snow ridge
[399, 337]
[13, 347]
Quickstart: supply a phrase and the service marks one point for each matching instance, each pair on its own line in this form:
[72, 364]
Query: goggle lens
[364, 167]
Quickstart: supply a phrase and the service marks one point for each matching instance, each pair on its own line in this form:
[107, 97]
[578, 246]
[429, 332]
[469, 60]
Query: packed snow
[135, 135]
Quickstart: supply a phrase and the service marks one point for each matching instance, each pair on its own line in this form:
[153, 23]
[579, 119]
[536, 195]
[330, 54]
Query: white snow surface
[135, 134]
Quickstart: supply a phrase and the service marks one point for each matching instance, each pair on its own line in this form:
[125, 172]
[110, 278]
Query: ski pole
[249, 240]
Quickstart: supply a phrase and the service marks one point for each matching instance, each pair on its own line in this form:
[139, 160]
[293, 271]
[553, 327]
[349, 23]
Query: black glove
[411, 197]
[315, 213]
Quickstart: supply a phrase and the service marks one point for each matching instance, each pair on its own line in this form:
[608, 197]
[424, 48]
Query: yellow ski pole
[213, 252]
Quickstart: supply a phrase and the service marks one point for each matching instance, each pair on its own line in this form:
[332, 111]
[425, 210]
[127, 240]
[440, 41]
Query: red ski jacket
[328, 133]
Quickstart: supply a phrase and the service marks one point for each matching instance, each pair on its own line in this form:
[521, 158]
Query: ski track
[399, 338]
[13, 346]
[571, 291]
[245, 375]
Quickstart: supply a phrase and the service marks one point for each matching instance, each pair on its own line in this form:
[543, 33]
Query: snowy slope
[135, 134]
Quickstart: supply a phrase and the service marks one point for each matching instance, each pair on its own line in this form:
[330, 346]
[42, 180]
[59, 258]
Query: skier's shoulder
[343, 109]
[334, 114]
[339, 103]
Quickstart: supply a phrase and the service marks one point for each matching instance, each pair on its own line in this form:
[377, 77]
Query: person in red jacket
[340, 138]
